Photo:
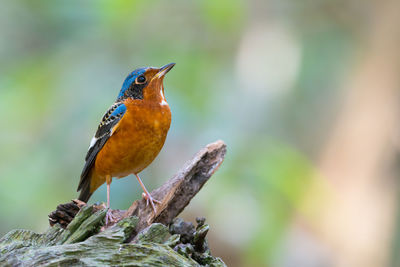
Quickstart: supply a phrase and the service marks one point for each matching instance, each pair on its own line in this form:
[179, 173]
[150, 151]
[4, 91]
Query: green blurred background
[304, 93]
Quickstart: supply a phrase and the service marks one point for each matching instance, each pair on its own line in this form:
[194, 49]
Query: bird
[130, 135]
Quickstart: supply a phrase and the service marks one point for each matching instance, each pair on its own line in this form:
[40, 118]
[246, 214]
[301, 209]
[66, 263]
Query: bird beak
[164, 70]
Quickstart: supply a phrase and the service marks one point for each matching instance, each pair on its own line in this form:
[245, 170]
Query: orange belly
[135, 143]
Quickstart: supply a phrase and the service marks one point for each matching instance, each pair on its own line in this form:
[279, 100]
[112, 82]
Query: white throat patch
[163, 101]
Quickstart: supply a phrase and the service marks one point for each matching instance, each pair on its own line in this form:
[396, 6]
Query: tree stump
[77, 235]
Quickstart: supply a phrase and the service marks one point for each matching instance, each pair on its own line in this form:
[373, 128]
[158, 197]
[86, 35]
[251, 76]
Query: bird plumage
[104, 131]
[131, 132]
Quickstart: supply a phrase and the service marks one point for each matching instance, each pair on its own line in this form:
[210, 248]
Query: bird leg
[146, 195]
[109, 216]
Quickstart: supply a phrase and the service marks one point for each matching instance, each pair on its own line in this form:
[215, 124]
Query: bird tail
[85, 191]
[84, 186]
[88, 184]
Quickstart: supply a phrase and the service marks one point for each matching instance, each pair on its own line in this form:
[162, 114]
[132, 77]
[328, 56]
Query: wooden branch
[176, 193]
[139, 238]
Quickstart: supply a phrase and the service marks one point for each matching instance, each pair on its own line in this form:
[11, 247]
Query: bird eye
[140, 79]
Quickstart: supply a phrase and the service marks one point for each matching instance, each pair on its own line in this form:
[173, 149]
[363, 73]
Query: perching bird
[130, 135]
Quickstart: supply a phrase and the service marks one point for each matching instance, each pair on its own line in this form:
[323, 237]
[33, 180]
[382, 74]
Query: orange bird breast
[135, 142]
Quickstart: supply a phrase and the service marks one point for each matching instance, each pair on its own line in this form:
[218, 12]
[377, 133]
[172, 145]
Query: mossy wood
[139, 238]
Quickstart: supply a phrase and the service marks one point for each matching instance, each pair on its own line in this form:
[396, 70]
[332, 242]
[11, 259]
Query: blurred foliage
[63, 62]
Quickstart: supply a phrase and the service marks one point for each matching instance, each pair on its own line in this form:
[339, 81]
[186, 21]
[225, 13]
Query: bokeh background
[304, 93]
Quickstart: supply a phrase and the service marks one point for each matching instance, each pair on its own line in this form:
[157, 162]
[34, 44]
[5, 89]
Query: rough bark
[139, 238]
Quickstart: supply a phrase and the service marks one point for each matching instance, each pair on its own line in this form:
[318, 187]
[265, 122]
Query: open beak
[164, 70]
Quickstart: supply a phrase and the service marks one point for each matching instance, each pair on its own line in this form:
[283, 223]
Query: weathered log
[139, 238]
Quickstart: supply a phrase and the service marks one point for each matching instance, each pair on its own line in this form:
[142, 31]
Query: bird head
[145, 84]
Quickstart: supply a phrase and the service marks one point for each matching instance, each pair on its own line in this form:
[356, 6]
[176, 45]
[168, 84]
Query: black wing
[104, 131]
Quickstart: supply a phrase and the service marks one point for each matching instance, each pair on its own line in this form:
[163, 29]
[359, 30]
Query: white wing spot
[92, 142]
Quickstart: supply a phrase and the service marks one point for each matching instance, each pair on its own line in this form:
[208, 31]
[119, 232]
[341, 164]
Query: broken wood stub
[176, 193]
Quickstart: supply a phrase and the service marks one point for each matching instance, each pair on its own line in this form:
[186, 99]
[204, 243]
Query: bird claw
[109, 217]
[150, 199]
